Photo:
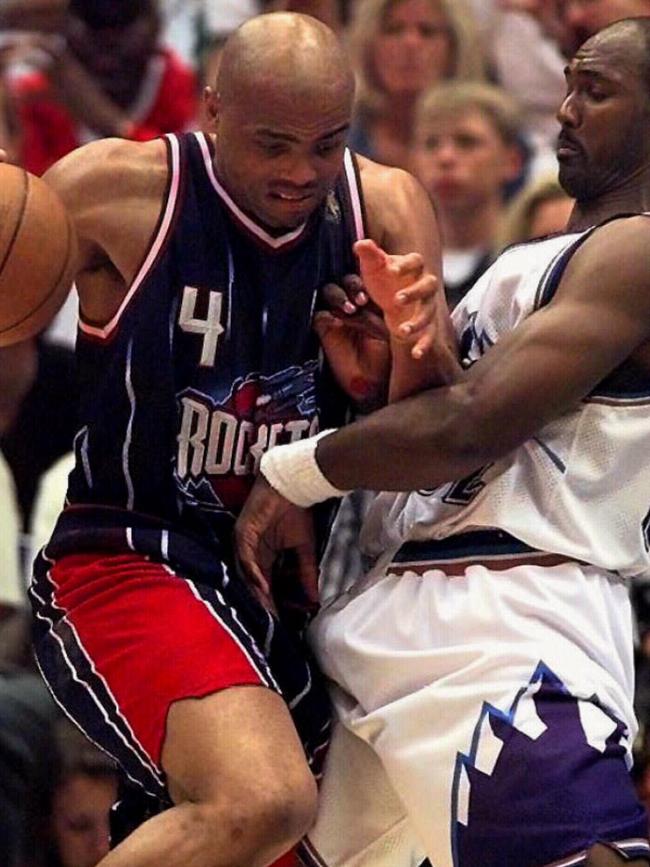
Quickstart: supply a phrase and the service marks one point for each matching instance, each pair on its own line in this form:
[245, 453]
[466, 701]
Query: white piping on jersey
[295, 701]
[164, 544]
[355, 195]
[156, 245]
[129, 538]
[82, 435]
[231, 283]
[149, 764]
[269, 636]
[129, 430]
[258, 231]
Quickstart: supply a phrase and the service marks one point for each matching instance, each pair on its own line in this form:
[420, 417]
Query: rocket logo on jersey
[220, 444]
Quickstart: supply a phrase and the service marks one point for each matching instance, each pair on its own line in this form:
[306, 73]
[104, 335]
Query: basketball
[38, 251]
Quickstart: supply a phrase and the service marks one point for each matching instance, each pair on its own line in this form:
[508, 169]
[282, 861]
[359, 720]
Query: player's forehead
[302, 113]
[607, 59]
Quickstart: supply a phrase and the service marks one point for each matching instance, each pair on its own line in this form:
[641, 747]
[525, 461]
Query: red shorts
[124, 638]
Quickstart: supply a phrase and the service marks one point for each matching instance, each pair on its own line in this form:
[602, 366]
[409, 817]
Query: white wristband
[293, 472]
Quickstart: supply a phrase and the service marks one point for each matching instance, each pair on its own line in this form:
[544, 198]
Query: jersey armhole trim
[356, 200]
[156, 246]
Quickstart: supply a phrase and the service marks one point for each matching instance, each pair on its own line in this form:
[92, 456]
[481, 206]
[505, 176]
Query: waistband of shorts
[494, 549]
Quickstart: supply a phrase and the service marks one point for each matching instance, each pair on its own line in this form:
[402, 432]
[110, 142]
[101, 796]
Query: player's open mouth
[292, 197]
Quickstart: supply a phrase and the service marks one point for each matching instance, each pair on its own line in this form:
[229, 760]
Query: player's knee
[270, 818]
[286, 809]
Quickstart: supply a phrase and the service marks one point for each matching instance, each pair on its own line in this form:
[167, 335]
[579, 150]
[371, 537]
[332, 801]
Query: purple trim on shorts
[547, 778]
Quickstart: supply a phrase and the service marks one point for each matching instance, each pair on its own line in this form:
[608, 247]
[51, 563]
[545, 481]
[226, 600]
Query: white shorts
[492, 719]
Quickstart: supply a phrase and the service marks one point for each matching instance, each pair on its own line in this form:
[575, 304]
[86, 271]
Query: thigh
[361, 822]
[237, 745]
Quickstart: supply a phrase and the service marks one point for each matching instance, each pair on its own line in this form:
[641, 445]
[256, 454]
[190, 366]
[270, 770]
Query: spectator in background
[11, 589]
[26, 709]
[570, 22]
[43, 15]
[527, 65]
[71, 818]
[466, 151]
[191, 26]
[330, 12]
[37, 381]
[541, 208]
[400, 48]
[107, 76]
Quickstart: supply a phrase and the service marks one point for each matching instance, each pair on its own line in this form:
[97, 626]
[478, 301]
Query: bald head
[625, 43]
[283, 50]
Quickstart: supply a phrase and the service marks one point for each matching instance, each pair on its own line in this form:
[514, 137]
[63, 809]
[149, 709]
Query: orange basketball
[38, 252]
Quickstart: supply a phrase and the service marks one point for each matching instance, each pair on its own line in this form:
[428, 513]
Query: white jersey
[580, 488]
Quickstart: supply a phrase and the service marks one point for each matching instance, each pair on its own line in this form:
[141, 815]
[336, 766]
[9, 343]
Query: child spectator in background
[107, 75]
[466, 151]
[400, 49]
[71, 820]
[541, 208]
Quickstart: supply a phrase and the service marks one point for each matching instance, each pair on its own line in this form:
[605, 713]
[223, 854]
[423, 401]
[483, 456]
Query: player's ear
[211, 103]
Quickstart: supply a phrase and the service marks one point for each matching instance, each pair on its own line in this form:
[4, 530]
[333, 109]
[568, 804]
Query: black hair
[110, 13]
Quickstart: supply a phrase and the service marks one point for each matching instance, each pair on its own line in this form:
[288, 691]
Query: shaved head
[280, 116]
[627, 43]
[284, 51]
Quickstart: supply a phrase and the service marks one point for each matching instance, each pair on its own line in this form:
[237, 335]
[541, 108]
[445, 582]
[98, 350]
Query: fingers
[422, 290]
[371, 257]
[348, 297]
[308, 572]
[257, 582]
[411, 265]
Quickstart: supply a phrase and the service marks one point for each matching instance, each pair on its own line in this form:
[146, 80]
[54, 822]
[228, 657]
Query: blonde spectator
[400, 48]
[466, 151]
[541, 208]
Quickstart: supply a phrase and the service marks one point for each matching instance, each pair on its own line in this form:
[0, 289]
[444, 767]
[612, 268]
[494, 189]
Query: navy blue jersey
[210, 360]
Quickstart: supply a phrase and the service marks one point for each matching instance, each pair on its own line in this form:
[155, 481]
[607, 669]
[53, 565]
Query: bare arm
[401, 220]
[113, 191]
[599, 316]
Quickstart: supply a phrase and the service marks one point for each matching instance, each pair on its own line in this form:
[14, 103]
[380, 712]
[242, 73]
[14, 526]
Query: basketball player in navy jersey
[484, 666]
[202, 257]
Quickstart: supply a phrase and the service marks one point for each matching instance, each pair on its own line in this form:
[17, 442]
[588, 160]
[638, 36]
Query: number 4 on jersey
[209, 328]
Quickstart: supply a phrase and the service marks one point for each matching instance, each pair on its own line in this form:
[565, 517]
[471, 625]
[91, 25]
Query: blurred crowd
[462, 93]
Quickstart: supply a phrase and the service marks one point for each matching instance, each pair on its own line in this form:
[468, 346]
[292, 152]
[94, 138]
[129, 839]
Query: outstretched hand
[406, 294]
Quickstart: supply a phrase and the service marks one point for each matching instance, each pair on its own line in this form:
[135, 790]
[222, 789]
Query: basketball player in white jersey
[483, 667]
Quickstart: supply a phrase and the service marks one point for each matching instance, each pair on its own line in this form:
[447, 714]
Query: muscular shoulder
[99, 181]
[104, 171]
[613, 263]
